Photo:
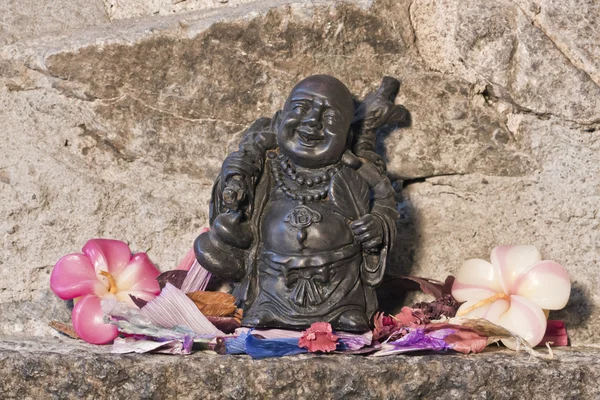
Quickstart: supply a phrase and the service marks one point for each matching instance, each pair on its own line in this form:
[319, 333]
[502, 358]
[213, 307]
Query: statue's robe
[290, 283]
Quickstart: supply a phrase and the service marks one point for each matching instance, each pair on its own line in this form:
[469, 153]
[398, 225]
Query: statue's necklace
[316, 184]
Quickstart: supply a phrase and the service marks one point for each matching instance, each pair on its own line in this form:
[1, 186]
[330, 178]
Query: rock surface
[115, 126]
[63, 368]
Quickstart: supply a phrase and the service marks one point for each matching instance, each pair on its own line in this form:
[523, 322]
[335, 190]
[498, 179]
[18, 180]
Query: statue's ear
[275, 121]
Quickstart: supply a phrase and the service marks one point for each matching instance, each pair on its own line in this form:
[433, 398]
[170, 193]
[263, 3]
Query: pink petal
[524, 318]
[139, 275]
[546, 283]
[187, 261]
[88, 321]
[476, 280]
[73, 276]
[173, 308]
[196, 279]
[107, 255]
[512, 261]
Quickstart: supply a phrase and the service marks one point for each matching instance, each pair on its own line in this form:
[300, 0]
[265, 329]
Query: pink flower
[190, 257]
[106, 269]
[513, 291]
[319, 337]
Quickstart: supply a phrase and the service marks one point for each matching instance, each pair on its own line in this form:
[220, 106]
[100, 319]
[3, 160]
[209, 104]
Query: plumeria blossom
[514, 291]
[105, 270]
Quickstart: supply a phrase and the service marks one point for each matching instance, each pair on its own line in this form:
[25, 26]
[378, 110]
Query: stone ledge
[62, 368]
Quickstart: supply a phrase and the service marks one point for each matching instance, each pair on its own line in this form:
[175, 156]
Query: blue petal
[264, 348]
[236, 345]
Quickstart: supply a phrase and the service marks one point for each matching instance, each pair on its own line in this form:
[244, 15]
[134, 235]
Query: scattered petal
[265, 348]
[196, 279]
[354, 341]
[187, 262]
[319, 337]
[236, 345]
[417, 340]
[131, 345]
[556, 334]
[172, 308]
[174, 277]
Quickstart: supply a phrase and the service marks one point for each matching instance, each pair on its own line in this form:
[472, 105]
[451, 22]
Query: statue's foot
[351, 321]
[228, 228]
[219, 258]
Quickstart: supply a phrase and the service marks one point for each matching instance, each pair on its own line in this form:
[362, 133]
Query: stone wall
[115, 120]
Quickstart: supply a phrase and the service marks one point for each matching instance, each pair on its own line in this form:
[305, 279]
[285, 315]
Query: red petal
[73, 276]
[88, 321]
[107, 255]
[556, 333]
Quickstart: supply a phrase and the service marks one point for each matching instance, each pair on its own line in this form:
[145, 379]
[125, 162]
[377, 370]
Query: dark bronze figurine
[302, 215]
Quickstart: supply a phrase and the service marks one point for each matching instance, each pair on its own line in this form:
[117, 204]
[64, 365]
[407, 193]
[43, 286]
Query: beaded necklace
[311, 187]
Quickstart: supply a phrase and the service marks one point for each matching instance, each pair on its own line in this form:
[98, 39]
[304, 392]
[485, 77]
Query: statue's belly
[290, 228]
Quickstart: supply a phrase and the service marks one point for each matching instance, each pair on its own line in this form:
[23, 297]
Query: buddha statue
[302, 214]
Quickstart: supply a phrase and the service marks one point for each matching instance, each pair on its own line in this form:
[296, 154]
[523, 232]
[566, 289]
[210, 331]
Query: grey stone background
[115, 117]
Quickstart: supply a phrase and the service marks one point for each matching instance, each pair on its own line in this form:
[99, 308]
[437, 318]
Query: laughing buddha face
[315, 122]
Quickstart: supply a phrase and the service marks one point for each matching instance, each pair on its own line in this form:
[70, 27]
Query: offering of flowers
[124, 299]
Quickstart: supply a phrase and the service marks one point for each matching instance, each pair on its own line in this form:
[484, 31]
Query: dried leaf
[65, 329]
[350, 194]
[175, 278]
[214, 304]
[226, 324]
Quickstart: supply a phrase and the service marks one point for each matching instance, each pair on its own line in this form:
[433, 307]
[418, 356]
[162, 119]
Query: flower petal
[88, 321]
[491, 311]
[476, 280]
[139, 275]
[524, 318]
[107, 255]
[512, 261]
[73, 276]
[546, 283]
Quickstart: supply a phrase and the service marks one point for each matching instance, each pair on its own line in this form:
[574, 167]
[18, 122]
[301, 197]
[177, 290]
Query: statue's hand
[368, 231]
[234, 192]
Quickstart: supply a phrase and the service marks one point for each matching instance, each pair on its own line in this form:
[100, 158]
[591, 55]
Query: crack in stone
[413, 29]
[143, 103]
[538, 25]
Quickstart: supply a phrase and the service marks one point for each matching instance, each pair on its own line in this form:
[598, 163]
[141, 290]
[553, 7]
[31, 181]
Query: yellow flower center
[484, 302]
[112, 284]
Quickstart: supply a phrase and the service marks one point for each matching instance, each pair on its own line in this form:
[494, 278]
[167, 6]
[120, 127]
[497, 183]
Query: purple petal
[417, 340]
[196, 279]
[173, 308]
[353, 341]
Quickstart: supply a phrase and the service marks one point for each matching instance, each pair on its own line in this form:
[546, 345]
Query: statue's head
[316, 121]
